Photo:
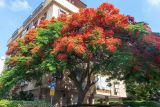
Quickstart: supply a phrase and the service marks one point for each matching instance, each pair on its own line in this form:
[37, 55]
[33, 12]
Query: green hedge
[7, 103]
[141, 103]
[11, 103]
[137, 103]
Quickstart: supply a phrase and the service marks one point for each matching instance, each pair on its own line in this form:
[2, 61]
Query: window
[115, 91]
[27, 28]
[23, 33]
[61, 12]
[35, 23]
[116, 88]
[98, 87]
[44, 16]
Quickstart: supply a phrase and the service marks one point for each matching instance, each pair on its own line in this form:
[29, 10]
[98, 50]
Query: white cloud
[151, 5]
[2, 3]
[154, 3]
[18, 5]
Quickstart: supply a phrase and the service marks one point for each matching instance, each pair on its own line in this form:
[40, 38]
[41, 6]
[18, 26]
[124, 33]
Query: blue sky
[14, 12]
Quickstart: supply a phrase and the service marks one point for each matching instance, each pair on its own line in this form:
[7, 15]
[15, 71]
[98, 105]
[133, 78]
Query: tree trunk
[91, 98]
[81, 96]
[40, 89]
[85, 77]
[40, 92]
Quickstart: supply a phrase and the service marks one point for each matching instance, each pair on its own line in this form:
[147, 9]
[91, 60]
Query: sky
[14, 12]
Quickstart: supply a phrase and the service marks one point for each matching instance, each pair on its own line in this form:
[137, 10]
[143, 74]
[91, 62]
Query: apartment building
[109, 90]
[47, 10]
[66, 93]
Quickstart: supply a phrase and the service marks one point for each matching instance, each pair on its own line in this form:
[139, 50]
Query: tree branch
[73, 76]
[88, 86]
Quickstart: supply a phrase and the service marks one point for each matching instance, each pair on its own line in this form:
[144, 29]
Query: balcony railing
[27, 19]
[38, 8]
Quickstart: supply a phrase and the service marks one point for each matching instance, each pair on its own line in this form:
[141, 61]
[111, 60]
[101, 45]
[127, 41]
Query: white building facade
[2, 61]
[112, 90]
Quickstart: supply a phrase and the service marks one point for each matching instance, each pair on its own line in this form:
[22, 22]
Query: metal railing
[38, 8]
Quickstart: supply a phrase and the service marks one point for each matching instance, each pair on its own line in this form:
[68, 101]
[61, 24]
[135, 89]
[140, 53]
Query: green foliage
[143, 91]
[7, 80]
[137, 27]
[45, 38]
[141, 103]
[49, 65]
[13, 103]
[136, 103]
[24, 49]
[56, 29]
[26, 96]
[119, 63]
[46, 35]
[7, 103]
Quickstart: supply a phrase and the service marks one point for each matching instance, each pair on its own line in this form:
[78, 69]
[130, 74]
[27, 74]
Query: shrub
[8, 103]
[13, 103]
[25, 96]
[141, 103]
[87, 105]
[115, 103]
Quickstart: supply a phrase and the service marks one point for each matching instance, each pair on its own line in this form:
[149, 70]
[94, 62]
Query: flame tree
[91, 41]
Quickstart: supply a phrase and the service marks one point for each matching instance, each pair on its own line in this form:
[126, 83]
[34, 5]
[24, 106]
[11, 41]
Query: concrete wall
[2, 60]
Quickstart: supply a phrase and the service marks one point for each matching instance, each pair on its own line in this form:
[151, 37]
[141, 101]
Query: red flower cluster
[13, 60]
[44, 23]
[153, 39]
[111, 44]
[92, 27]
[72, 44]
[109, 8]
[31, 35]
[35, 49]
[28, 61]
[62, 17]
[22, 47]
[62, 57]
[14, 46]
[136, 67]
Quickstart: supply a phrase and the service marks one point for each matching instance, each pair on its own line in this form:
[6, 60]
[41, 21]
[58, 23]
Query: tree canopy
[94, 40]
